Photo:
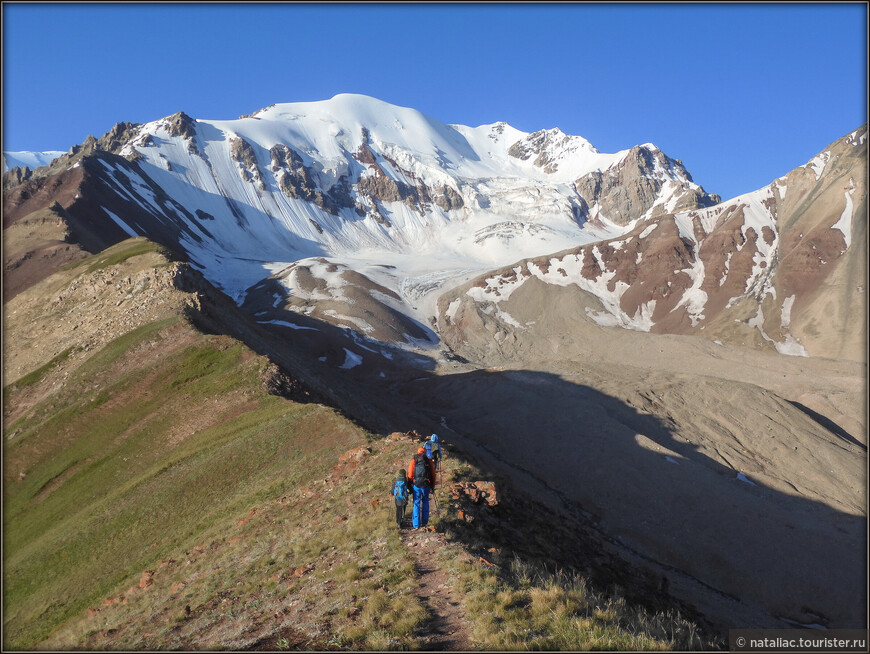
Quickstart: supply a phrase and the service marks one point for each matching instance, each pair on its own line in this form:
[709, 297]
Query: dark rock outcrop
[296, 180]
[627, 191]
[243, 154]
[448, 198]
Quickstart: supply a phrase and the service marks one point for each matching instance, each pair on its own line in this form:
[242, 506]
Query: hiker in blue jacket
[433, 452]
[421, 472]
[400, 495]
[434, 445]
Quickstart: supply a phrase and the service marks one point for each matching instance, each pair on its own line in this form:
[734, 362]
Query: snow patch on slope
[844, 224]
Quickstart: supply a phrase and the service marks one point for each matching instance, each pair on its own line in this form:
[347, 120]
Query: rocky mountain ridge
[762, 268]
[353, 175]
[418, 207]
[456, 279]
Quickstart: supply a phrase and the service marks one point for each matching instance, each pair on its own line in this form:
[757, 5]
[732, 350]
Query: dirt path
[446, 628]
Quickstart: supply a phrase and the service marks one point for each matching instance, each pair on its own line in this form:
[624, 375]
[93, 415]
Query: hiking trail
[446, 628]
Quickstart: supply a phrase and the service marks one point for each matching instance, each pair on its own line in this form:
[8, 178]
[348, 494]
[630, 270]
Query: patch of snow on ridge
[351, 360]
[854, 139]
[648, 230]
[509, 319]
[498, 288]
[568, 270]
[791, 347]
[284, 323]
[452, 308]
[845, 222]
[694, 299]
[786, 311]
[818, 163]
[120, 223]
[359, 322]
[757, 322]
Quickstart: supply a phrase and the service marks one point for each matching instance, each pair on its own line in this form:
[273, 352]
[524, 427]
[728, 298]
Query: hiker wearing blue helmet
[433, 450]
[421, 472]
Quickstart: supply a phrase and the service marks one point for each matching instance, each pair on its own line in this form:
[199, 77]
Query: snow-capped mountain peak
[416, 203]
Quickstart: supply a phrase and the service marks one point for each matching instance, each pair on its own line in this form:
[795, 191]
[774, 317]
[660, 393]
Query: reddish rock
[350, 461]
[146, 579]
[240, 522]
[475, 491]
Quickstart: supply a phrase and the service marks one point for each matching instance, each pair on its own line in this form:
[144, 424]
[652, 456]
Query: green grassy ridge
[226, 518]
[38, 374]
[119, 504]
[239, 584]
[118, 254]
[182, 464]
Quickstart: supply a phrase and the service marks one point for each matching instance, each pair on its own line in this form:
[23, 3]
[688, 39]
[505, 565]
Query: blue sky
[742, 93]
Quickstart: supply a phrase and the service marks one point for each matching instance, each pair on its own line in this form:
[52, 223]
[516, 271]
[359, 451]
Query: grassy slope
[163, 499]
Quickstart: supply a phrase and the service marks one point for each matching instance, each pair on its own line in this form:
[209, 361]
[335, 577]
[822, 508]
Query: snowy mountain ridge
[407, 207]
[29, 159]
[356, 177]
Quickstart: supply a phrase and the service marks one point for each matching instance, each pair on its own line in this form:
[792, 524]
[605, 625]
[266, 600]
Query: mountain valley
[676, 381]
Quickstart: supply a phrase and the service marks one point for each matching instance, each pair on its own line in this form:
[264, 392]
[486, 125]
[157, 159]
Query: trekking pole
[435, 499]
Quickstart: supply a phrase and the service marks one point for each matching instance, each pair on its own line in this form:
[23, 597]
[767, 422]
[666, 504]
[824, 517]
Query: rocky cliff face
[771, 268]
[633, 188]
[763, 268]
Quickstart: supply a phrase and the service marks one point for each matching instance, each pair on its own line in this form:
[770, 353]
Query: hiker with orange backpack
[421, 472]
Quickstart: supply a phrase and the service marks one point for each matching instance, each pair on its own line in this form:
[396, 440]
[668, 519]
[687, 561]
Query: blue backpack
[400, 491]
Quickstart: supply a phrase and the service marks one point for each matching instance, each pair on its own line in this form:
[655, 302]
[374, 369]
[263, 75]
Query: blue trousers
[420, 514]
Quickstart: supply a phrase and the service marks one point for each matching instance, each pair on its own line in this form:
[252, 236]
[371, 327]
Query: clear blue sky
[742, 93]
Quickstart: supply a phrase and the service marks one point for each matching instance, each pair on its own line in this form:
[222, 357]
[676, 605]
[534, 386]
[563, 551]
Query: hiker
[433, 452]
[400, 495]
[421, 472]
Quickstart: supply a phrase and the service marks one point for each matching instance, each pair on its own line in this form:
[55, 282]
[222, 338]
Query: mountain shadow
[743, 553]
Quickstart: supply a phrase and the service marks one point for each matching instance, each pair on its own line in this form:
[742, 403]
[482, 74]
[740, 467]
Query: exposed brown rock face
[15, 176]
[180, 124]
[366, 156]
[34, 247]
[538, 144]
[448, 199]
[112, 141]
[626, 192]
[117, 137]
[781, 268]
[350, 461]
[243, 154]
[294, 178]
[380, 186]
[296, 181]
[478, 491]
